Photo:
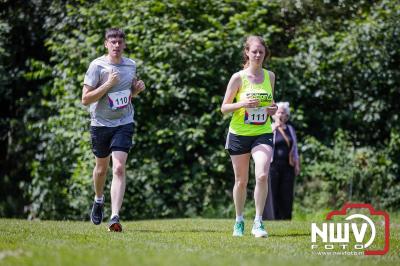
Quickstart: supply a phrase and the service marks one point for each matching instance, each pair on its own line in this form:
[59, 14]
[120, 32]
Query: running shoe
[97, 213]
[238, 229]
[114, 225]
[258, 230]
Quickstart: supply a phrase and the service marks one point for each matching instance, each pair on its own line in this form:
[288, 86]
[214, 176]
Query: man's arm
[91, 94]
[137, 87]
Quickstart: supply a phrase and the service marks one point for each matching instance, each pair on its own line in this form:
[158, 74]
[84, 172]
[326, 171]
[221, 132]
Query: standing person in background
[250, 132]
[109, 84]
[284, 167]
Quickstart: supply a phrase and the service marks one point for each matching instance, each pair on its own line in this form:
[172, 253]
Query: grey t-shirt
[115, 107]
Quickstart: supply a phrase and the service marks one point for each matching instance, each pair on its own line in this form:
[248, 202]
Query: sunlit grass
[168, 242]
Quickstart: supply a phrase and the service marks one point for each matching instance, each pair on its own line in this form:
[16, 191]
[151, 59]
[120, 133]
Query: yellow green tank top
[253, 121]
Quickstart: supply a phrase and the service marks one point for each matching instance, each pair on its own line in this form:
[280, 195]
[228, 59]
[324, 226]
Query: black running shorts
[108, 139]
[236, 144]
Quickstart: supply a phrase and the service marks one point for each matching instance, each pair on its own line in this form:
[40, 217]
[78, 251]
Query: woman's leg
[262, 158]
[240, 165]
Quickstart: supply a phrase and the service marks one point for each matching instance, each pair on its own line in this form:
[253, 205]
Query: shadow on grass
[289, 235]
[178, 231]
[213, 231]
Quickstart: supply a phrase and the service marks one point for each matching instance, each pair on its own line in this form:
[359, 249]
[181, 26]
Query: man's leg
[117, 189]
[118, 181]
[99, 175]
[120, 145]
[99, 178]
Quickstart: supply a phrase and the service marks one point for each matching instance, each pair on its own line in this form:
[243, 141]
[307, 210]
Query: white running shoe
[258, 230]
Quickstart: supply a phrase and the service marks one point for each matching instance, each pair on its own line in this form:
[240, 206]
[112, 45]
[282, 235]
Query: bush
[343, 173]
[336, 64]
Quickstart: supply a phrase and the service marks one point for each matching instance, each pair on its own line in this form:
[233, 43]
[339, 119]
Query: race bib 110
[119, 99]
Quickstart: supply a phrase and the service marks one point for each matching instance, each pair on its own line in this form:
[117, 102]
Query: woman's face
[281, 115]
[256, 53]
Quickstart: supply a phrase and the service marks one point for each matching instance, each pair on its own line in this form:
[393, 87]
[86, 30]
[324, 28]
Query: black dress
[279, 202]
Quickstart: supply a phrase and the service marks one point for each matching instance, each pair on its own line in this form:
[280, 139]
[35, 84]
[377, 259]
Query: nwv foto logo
[336, 235]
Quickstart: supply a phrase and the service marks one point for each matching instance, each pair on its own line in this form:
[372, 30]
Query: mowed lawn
[169, 242]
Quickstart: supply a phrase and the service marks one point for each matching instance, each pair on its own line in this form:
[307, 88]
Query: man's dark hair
[114, 33]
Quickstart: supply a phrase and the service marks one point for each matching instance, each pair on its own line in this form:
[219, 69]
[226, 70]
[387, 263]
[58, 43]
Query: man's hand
[137, 86]
[113, 77]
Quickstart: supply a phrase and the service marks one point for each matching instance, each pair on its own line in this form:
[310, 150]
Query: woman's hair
[285, 106]
[246, 47]
[114, 33]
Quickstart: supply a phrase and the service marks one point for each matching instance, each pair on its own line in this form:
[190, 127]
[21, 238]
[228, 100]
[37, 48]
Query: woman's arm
[273, 107]
[233, 86]
[296, 158]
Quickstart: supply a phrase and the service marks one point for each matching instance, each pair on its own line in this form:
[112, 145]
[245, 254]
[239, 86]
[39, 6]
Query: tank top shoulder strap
[266, 77]
[245, 80]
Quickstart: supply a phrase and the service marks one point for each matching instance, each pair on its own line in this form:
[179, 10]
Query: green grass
[169, 242]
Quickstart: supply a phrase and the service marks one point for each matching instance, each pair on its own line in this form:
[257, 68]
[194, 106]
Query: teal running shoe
[238, 229]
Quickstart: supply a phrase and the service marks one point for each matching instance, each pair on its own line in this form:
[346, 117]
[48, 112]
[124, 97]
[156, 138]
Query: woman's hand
[297, 168]
[271, 110]
[250, 103]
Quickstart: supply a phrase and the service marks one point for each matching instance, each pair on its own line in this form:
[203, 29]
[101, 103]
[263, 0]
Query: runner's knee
[100, 171]
[263, 178]
[241, 183]
[119, 170]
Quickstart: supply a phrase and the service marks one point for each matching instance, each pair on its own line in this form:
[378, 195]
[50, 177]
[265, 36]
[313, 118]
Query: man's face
[115, 46]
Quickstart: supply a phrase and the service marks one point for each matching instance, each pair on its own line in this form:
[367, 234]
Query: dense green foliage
[336, 62]
[21, 41]
[333, 176]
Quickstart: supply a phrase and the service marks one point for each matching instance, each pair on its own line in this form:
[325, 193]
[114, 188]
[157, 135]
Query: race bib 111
[255, 116]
